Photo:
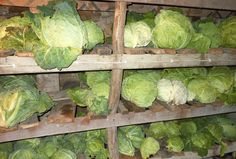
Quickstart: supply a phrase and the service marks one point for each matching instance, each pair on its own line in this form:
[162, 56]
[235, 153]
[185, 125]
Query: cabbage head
[173, 92]
[64, 154]
[95, 34]
[139, 89]
[101, 89]
[20, 99]
[149, 147]
[173, 30]
[93, 147]
[229, 131]
[173, 129]
[221, 78]
[3, 155]
[175, 144]
[95, 77]
[227, 29]
[134, 133]
[201, 90]
[137, 34]
[125, 145]
[23, 154]
[79, 96]
[188, 128]
[62, 35]
[27, 143]
[200, 43]
[157, 130]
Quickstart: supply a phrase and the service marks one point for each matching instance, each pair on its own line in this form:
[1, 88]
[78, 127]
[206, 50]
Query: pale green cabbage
[137, 34]
[149, 147]
[139, 89]
[95, 34]
[227, 29]
[175, 144]
[64, 154]
[173, 30]
[173, 92]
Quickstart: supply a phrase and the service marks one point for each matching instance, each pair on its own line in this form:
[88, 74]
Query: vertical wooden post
[116, 80]
[48, 82]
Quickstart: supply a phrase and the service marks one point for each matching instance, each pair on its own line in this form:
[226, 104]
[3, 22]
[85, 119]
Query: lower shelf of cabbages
[61, 119]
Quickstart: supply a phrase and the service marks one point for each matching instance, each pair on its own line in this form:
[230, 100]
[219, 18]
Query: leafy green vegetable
[95, 77]
[139, 89]
[28, 143]
[188, 128]
[228, 31]
[137, 34]
[23, 154]
[175, 144]
[79, 96]
[16, 33]
[134, 133]
[200, 42]
[63, 154]
[95, 34]
[147, 17]
[173, 129]
[210, 30]
[173, 92]
[221, 78]
[157, 130]
[20, 99]
[125, 145]
[173, 30]
[149, 146]
[62, 35]
[201, 90]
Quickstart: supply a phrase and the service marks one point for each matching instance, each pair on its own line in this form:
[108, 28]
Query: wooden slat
[62, 113]
[116, 79]
[48, 82]
[114, 120]
[16, 65]
[30, 123]
[192, 155]
[214, 4]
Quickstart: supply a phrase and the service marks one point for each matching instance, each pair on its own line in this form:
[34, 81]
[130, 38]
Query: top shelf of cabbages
[214, 4]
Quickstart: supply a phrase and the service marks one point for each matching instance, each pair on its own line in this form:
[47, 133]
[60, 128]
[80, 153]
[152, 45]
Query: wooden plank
[30, 123]
[16, 65]
[193, 155]
[114, 120]
[214, 4]
[62, 113]
[48, 82]
[117, 74]
[148, 51]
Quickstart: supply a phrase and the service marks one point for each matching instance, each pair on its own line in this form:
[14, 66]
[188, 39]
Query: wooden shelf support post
[116, 80]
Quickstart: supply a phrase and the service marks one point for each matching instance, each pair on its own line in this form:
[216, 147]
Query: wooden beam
[117, 74]
[45, 128]
[17, 65]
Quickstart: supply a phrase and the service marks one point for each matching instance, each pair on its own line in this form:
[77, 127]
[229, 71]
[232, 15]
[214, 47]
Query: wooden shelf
[60, 123]
[132, 59]
[214, 4]
[192, 155]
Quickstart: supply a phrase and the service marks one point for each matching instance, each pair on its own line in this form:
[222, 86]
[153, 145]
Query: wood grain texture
[116, 80]
[45, 128]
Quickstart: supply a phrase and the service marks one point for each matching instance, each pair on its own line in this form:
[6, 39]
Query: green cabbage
[227, 29]
[210, 30]
[64, 154]
[175, 144]
[20, 99]
[201, 90]
[139, 89]
[137, 34]
[157, 130]
[149, 147]
[95, 34]
[23, 154]
[173, 30]
[221, 78]
[188, 128]
[173, 92]
[62, 34]
[95, 77]
[199, 42]
[125, 145]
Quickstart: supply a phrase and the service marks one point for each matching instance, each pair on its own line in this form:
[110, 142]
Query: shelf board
[45, 128]
[212, 152]
[214, 4]
[136, 59]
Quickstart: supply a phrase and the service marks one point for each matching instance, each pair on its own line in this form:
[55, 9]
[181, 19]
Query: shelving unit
[116, 58]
